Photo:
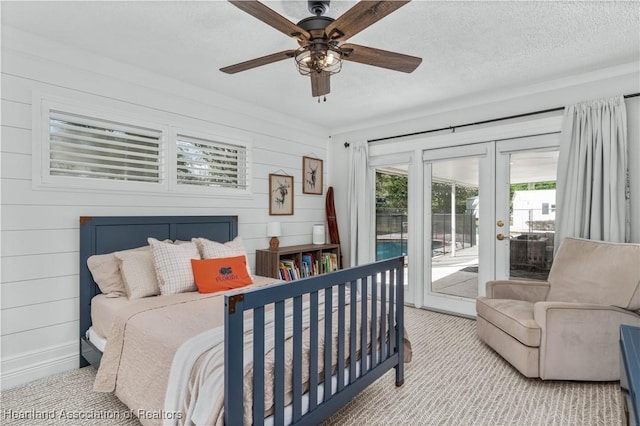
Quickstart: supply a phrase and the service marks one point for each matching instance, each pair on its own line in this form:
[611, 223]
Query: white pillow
[172, 264]
[213, 249]
[138, 273]
[105, 269]
[106, 273]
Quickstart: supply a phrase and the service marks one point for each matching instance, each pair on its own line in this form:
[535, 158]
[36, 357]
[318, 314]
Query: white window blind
[99, 147]
[88, 147]
[205, 162]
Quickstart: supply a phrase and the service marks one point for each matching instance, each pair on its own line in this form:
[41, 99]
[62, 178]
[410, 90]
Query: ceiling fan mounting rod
[317, 7]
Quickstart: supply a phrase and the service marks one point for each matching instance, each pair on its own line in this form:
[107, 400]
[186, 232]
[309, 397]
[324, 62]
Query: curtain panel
[359, 204]
[593, 177]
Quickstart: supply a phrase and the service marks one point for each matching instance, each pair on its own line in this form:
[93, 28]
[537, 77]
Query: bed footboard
[354, 322]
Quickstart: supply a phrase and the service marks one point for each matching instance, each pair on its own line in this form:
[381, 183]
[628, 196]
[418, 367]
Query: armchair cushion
[580, 340]
[514, 317]
[582, 266]
[530, 291]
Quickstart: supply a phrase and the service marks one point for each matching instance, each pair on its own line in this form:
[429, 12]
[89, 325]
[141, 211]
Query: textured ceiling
[468, 48]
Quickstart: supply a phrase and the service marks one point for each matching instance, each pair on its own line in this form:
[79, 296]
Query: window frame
[169, 127]
[206, 134]
[43, 179]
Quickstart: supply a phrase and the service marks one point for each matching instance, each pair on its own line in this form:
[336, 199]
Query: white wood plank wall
[39, 228]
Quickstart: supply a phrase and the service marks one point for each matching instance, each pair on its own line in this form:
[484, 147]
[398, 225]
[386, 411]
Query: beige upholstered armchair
[566, 328]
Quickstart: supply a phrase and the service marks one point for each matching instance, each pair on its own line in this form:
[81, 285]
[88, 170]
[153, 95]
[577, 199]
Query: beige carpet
[453, 379]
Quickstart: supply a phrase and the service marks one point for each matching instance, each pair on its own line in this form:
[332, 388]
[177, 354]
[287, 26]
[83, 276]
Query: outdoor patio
[456, 275]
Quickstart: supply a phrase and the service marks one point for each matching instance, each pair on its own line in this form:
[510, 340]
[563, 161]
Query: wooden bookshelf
[268, 261]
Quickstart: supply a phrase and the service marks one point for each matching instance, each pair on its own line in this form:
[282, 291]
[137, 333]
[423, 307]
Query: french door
[458, 205]
[488, 214]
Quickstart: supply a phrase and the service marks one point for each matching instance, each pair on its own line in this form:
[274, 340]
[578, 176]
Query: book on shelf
[283, 273]
[329, 262]
[289, 270]
[308, 265]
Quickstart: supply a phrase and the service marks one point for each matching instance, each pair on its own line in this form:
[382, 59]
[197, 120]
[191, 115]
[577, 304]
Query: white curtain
[593, 178]
[359, 204]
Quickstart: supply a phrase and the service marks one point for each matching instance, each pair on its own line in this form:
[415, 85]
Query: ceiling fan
[321, 40]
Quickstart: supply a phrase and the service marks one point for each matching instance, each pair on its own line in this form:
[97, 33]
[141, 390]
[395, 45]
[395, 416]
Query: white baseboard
[29, 366]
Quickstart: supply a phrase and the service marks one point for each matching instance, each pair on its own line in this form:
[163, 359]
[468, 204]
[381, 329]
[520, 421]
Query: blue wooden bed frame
[382, 280]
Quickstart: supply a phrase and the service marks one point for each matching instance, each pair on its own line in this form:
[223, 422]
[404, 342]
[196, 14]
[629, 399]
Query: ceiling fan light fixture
[318, 57]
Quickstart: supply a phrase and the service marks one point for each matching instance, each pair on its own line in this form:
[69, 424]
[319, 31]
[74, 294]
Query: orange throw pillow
[219, 274]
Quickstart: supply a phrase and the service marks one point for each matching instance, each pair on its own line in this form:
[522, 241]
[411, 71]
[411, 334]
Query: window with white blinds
[206, 162]
[89, 147]
[84, 147]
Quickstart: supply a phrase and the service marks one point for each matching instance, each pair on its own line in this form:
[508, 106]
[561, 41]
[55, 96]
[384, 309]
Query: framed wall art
[311, 175]
[280, 194]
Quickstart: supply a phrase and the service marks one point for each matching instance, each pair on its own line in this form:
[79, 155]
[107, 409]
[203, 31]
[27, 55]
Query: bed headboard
[106, 234]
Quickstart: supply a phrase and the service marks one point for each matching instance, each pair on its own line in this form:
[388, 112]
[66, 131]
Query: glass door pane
[392, 209]
[391, 212]
[455, 208]
[526, 170]
[532, 195]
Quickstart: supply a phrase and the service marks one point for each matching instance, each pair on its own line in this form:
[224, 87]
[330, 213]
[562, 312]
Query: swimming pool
[386, 249]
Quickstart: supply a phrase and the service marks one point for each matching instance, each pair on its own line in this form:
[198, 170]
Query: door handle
[500, 237]
[500, 223]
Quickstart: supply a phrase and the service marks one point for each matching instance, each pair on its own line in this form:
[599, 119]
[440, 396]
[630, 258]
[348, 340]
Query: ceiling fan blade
[320, 83]
[271, 17]
[253, 63]
[379, 58]
[359, 17]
